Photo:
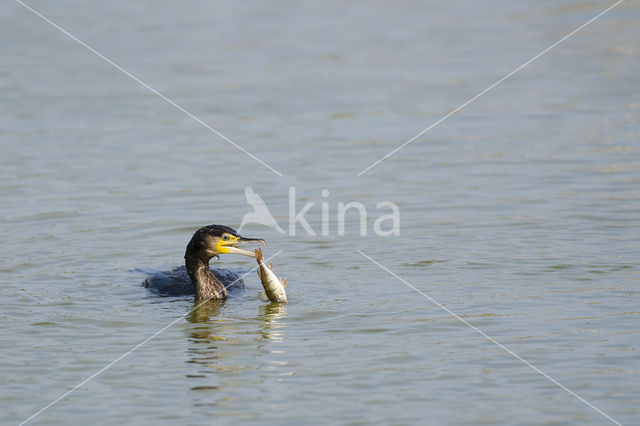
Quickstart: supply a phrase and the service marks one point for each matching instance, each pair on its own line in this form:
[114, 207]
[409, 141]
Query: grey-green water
[521, 213]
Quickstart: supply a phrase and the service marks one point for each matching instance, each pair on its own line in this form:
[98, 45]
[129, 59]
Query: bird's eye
[225, 237]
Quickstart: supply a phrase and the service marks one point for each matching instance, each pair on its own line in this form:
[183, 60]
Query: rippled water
[520, 213]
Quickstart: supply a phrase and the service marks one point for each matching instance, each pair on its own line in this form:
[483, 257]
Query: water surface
[520, 213]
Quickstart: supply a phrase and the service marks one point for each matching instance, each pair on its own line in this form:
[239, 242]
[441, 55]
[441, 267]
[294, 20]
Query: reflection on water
[203, 312]
[205, 334]
[272, 317]
[209, 331]
[225, 352]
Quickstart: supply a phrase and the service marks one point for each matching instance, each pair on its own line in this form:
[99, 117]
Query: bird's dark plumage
[176, 282]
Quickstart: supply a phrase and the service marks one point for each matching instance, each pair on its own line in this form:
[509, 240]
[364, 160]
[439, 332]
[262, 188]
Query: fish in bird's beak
[228, 243]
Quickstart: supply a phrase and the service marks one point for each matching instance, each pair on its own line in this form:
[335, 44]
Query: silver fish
[273, 287]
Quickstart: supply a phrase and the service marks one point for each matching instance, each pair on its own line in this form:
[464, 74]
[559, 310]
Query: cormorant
[196, 276]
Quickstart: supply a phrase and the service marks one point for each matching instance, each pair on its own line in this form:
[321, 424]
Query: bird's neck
[206, 285]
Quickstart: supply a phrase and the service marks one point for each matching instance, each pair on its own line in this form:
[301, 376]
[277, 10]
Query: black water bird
[196, 277]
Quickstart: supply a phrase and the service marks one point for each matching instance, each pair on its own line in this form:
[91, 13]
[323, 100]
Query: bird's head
[213, 240]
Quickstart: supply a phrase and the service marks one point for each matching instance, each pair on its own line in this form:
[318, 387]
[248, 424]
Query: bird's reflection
[206, 333]
[202, 312]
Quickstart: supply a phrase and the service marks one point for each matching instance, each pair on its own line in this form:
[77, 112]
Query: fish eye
[225, 237]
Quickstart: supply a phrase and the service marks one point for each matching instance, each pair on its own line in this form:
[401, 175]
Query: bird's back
[176, 282]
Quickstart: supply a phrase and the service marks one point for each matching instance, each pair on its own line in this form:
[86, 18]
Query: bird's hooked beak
[229, 245]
